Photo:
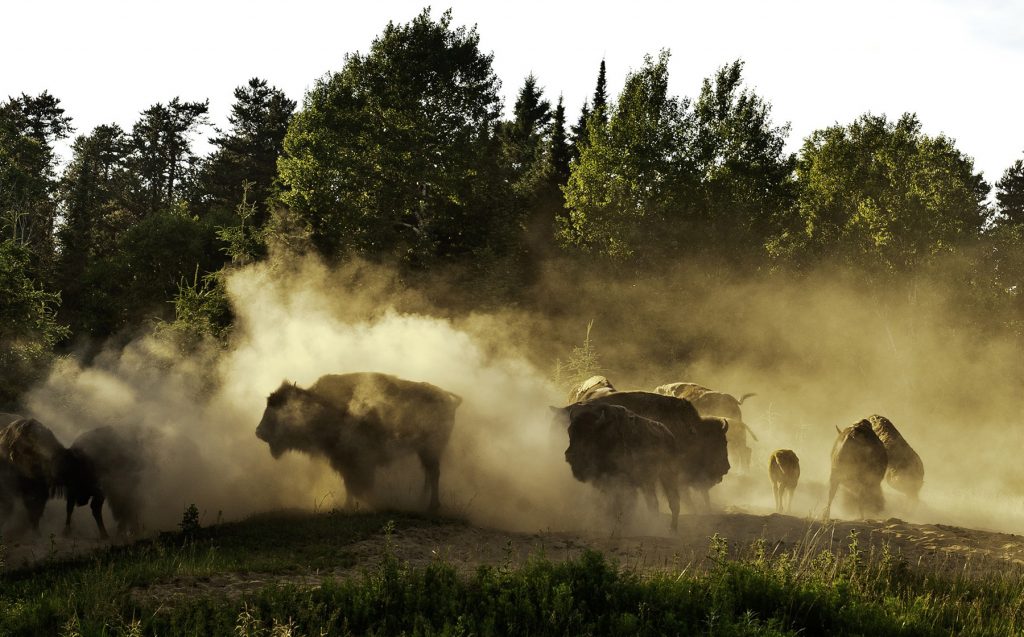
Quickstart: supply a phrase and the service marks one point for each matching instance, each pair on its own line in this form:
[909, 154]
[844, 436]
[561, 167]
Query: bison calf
[361, 421]
[619, 451]
[784, 471]
[859, 462]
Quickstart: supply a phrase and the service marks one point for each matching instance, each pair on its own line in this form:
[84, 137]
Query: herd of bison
[682, 436]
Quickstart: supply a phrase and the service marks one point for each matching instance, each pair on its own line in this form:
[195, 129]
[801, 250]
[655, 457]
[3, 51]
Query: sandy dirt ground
[646, 547]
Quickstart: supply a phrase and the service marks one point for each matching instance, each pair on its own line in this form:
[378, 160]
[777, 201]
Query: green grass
[803, 591]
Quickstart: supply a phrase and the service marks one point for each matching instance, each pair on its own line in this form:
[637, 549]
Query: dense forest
[405, 157]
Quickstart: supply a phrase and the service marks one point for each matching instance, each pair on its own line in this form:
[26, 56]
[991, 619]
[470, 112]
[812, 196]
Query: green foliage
[582, 363]
[794, 592]
[29, 128]
[394, 155]
[162, 158]
[746, 184]
[884, 195]
[625, 188]
[202, 314]
[246, 153]
[189, 525]
[28, 323]
[1010, 194]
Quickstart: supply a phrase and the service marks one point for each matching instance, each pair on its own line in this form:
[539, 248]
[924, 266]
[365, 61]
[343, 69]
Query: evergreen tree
[559, 150]
[600, 100]
[523, 139]
[247, 152]
[1010, 194]
[29, 128]
[162, 156]
[580, 133]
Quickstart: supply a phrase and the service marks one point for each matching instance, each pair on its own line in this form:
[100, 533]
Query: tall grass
[762, 590]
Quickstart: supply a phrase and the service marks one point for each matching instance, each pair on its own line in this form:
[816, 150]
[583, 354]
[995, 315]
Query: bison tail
[744, 397]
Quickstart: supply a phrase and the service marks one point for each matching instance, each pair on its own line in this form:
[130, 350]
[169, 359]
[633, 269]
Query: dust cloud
[820, 351]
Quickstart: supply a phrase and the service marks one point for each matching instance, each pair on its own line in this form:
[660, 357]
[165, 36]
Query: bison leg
[833, 486]
[35, 503]
[777, 492]
[432, 481]
[67, 521]
[671, 488]
[97, 514]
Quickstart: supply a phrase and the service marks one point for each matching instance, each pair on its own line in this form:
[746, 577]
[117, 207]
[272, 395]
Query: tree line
[404, 157]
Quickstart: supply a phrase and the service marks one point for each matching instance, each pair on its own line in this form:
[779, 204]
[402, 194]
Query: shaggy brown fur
[859, 462]
[710, 403]
[906, 471]
[361, 421]
[701, 442]
[112, 464]
[784, 471]
[35, 466]
[620, 452]
[591, 388]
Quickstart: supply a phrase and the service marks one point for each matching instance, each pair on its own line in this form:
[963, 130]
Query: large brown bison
[784, 471]
[112, 465]
[620, 452]
[34, 467]
[591, 388]
[700, 442]
[361, 421]
[710, 403]
[906, 471]
[859, 462]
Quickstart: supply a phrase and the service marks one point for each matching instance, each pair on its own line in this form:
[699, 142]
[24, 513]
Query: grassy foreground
[801, 592]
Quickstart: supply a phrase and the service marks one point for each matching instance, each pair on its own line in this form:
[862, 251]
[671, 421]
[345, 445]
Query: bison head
[290, 410]
[590, 441]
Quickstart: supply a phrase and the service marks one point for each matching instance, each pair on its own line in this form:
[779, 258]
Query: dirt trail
[931, 546]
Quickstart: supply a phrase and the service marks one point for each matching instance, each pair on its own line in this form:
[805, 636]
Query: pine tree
[559, 150]
[601, 94]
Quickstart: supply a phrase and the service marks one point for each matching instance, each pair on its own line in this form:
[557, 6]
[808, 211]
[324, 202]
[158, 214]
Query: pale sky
[957, 64]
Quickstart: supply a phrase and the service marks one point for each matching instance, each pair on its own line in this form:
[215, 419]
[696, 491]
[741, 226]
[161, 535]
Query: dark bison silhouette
[619, 452]
[34, 466]
[859, 462]
[700, 442]
[906, 471]
[361, 421]
[784, 471]
[711, 403]
[112, 464]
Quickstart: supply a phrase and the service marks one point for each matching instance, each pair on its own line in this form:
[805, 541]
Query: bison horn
[725, 425]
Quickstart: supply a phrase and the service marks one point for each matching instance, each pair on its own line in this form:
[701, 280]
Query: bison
[591, 388]
[361, 421]
[617, 451]
[859, 462]
[700, 442]
[784, 471]
[906, 471]
[112, 464]
[34, 467]
[710, 403]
